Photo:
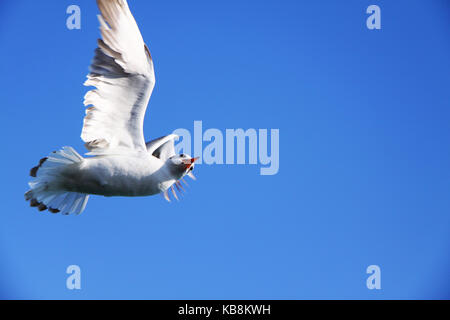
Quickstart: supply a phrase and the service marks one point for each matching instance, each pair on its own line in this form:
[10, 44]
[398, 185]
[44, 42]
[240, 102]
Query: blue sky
[364, 153]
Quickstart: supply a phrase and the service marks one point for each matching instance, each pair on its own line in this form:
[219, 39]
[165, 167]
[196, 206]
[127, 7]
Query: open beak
[188, 163]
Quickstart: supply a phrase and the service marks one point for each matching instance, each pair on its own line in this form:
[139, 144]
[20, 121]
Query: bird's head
[180, 165]
[183, 164]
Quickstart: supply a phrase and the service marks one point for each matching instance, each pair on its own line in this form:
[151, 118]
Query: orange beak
[188, 163]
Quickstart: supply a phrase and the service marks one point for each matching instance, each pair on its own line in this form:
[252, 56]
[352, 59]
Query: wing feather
[123, 76]
[162, 148]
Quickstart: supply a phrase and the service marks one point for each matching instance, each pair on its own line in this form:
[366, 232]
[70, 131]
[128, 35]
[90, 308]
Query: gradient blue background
[364, 153]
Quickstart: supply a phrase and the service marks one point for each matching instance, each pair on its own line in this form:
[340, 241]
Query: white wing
[122, 72]
[162, 148]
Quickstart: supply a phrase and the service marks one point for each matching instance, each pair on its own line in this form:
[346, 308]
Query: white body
[118, 175]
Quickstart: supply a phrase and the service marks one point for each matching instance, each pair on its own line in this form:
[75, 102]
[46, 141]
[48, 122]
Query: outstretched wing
[162, 148]
[122, 72]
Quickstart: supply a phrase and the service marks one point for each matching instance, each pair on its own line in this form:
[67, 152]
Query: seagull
[120, 162]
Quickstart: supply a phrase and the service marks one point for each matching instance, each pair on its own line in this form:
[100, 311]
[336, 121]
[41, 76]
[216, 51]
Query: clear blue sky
[364, 152]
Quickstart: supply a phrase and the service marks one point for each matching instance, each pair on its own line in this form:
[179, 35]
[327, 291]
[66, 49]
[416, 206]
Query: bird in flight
[121, 163]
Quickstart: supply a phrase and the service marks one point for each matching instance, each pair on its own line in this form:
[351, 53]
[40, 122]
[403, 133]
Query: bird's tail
[45, 187]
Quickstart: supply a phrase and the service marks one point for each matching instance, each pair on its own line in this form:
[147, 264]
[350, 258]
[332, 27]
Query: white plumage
[122, 163]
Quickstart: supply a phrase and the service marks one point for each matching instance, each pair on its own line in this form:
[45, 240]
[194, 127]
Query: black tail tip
[34, 203]
[39, 205]
[34, 170]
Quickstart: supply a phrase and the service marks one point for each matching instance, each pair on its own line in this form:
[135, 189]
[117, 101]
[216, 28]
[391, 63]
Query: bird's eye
[182, 155]
[191, 168]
